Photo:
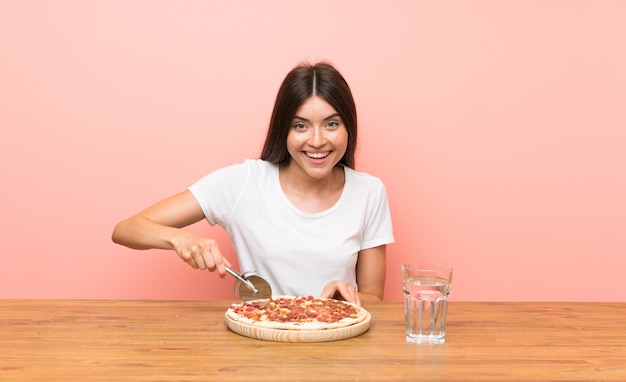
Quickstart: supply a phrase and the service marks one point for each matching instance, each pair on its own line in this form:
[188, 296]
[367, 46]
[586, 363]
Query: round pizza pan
[284, 335]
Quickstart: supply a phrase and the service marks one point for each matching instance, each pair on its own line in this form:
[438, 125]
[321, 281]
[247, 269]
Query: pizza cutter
[252, 287]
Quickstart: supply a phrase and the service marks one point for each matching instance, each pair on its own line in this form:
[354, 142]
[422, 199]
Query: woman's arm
[370, 277]
[371, 268]
[160, 226]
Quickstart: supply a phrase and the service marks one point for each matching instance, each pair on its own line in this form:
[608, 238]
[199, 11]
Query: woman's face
[317, 138]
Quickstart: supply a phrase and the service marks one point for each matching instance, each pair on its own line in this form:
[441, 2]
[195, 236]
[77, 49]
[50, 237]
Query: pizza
[297, 313]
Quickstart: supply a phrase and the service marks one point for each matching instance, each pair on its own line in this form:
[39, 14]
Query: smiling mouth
[317, 155]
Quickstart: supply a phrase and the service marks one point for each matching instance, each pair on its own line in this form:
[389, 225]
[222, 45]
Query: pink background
[499, 128]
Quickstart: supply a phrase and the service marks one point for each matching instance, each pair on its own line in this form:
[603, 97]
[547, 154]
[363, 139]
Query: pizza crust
[361, 314]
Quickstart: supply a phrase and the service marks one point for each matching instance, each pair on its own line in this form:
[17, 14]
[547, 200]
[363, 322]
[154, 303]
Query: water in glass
[426, 302]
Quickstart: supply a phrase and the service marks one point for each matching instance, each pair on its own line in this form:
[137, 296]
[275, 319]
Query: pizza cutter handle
[244, 281]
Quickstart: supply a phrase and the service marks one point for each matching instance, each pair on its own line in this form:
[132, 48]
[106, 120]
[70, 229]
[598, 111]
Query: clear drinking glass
[426, 289]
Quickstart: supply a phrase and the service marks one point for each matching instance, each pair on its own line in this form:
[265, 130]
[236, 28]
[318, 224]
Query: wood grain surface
[61, 340]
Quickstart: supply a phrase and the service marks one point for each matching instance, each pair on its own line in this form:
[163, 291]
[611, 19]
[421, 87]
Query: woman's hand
[200, 252]
[341, 290]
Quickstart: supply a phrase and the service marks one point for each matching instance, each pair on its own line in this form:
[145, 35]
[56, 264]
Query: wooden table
[61, 340]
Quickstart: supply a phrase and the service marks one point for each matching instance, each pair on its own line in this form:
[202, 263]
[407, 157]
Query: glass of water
[426, 289]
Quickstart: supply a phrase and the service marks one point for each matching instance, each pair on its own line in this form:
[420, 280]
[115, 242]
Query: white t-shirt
[298, 253]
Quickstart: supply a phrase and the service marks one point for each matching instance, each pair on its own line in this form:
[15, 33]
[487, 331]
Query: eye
[299, 126]
[333, 124]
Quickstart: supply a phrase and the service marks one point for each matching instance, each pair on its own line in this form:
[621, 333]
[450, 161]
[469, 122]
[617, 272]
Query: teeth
[318, 155]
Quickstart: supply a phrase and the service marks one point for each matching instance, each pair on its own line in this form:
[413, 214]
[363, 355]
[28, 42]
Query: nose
[317, 138]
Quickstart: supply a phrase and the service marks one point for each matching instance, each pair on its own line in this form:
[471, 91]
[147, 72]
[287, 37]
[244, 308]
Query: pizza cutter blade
[252, 287]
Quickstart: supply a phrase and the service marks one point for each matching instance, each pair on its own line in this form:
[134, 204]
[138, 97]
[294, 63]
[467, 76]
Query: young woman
[300, 216]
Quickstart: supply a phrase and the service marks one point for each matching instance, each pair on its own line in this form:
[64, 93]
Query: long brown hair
[303, 81]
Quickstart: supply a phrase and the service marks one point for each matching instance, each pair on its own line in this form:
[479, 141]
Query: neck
[293, 177]
[311, 194]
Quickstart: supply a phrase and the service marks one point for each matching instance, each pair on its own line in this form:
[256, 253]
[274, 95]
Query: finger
[329, 291]
[214, 260]
[187, 257]
[192, 263]
[350, 294]
[226, 262]
[199, 260]
[206, 256]
[218, 262]
[221, 265]
[357, 299]
[193, 257]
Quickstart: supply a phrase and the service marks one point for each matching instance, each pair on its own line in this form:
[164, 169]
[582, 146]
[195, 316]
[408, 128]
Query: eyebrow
[325, 119]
